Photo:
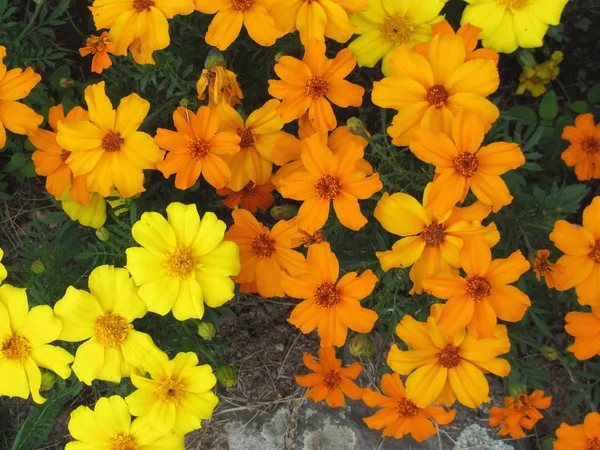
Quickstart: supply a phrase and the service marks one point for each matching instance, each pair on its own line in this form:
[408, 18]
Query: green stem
[36, 13]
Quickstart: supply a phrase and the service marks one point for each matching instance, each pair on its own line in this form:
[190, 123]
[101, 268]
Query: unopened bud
[526, 58]
[283, 212]
[550, 353]
[215, 58]
[206, 331]
[361, 345]
[278, 56]
[103, 234]
[355, 126]
[515, 388]
[66, 82]
[37, 267]
[226, 375]
[184, 102]
[48, 380]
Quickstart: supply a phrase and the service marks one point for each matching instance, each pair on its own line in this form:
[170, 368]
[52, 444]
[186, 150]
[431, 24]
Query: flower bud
[283, 212]
[515, 388]
[361, 345]
[37, 267]
[184, 102]
[206, 331]
[215, 58]
[103, 234]
[226, 375]
[66, 82]
[550, 353]
[526, 58]
[355, 126]
[48, 380]
[278, 56]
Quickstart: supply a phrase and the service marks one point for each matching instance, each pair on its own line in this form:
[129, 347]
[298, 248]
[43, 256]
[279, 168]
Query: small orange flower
[544, 268]
[518, 413]
[309, 239]
[100, 47]
[251, 197]
[399, 415]
[584, 151]
[265, 255]
[307, 85]
[196, 147]
[221, 84]
[585, 328]
[329, 305]
[330, 381]
[584, 436]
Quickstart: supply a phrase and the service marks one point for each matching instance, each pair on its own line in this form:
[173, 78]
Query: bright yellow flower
[508, 24]
[387, 25]
[3, 272]
[177, 396]
[25, 336]
[183, 262]
[102, 317]
[109, 427]
[91, 215]
[138, 25]
[108, 147]
[535, 78]
[15, 85]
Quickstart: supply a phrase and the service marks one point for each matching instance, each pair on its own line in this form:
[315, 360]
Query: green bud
[48, 380]
[215, 58]
[283, 212]
[37, 267]
[548, 443]
[66, 82]
[206, 331]
[195, 187]
[355, 126]
[103, 234]
[184, 102]
[525, 58]
[278, 56]
[515, 388]
[550, 353]
[361, 345]
[226, 375]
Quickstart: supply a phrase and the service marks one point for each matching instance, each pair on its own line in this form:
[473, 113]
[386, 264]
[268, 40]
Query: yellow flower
[508, 24]
[3, 272]
[535, 79]
[91, 215]
[183, 262]
[387, 25]
[25, 336]
[102, 318]
[109, 427]
[177, 396]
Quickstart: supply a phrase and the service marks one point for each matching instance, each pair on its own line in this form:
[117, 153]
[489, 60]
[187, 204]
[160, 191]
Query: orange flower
[107, 147]
[309, 239]
[325, 178]
[221, 84]
[584, 436]
[251, 197]
[305, 84]
[265, 255]
[460, 163]
[442, 368]
[329, 305]
[544, 268]
[430, 243]
[225, 27]
[518, 413]
[584, 151]
[16, 84]
[585, 328]
[581, 262]
[196, 147]
[399, 414]
[330, 381]
[484, 294]
[100, 47]
[50, 158]
[430, 90]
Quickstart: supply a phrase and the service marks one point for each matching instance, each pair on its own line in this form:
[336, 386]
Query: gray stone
[478, 437]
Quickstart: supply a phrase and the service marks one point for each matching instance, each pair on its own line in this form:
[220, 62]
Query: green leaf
[593, 94]
[549, 106]
[523, 113]
[580, 106]
[58, 74]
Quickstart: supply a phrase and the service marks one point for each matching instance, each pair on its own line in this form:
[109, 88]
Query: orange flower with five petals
[584, 149]
[584, 436]
[543, 268]
[100, 47]
[251, 197]
[519, 412]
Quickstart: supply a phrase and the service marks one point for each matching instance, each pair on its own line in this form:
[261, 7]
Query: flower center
[593, 444]
[249, 190]
[111, 142]
[15, 348]
[142, 5]
[397, 30]
[309, 239]
[449, 357]
[111, 330]
[407, 409]
[541, 265]
[433, 234]
[595, 253]
[465, 164]
[211, 77]
[590, 144]
[181, 262]
[328, 187]
[331, 380]
[95, 43]
[326, 295]
[198, 149]
[123, 442]
[64, 155]
[246, 138]
[170, 390]
[522, 401]
[316, 87]
[241, 5]
[478, 288]
[262, 246]
[437, 95]
[514, 4]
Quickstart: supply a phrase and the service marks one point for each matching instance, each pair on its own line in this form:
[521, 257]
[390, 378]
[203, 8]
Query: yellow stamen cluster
[170, 390]
[181, 262]
[514, 4]
[123, 442]
[397, 30]
[326, 295]
[15, 348]
[111, 330]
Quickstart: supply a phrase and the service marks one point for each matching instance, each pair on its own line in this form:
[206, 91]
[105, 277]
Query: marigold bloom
[328, 178]
[544, 268]
[583, 152]
[399, 415]
[100, 47]
[25, 337]
[178, 394]
[430, 243]
[330, 381]
[385, 26]
[138, 25]
[518, 413]
[585, 328]
[3, 272]
[50, 159]
[438, 363]
[221, 84]
[509, 24]
[91, 215]
[225, 27]
[102, 318]
[430, 90]
[584, 436]
[250, 197]
[582, 259]
[196, 147]
[535, 78]
[16, 84]
[109, 427]
[183, 261]
[108, 148]
[329, 305]
[310, 84]
[265, 254]
[461, 164]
